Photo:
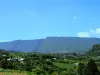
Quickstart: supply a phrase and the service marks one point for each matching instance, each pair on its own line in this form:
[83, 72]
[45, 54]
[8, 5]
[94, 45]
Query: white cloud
[97, 30]
[90, 33]
[74, 18]
[83, 34]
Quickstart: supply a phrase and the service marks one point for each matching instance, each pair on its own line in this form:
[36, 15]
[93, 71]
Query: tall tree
[91, 68]
[80, 68]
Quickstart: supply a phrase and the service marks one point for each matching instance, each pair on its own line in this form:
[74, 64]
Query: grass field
[9, 73]
[14, 73]
[63, 65]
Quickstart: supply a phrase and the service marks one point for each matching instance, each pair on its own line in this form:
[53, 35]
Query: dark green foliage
[96, 47]
[4, 55]
[91, 68]
[95, 50]
[80, 68]
[92, 65]
[3, 63]
[74, 54]
[87, 71]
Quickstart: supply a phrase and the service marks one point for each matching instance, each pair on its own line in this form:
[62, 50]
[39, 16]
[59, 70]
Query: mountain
[68, 44]
[21, 45]
[52, 44]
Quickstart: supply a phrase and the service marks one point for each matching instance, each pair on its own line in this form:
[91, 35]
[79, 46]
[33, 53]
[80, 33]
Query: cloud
[74, 18]
[90, 33]
[83, 34]
[97, 30]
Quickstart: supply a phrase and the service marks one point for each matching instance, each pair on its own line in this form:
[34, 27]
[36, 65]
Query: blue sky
[35, 19]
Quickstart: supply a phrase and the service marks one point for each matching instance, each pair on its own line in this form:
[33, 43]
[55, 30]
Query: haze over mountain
[52, 44]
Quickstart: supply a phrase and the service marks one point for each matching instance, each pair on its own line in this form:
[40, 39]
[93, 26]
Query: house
[76, 64]
[19, 59]
[54, 58]
[4, 55]
[9, 59]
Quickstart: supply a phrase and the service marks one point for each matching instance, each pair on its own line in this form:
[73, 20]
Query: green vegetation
[20, 63]
[64, 65]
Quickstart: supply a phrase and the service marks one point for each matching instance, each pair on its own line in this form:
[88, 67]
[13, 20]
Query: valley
[35, 63]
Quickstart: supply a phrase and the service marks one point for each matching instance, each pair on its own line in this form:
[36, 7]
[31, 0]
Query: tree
[87, 71]
[96, 47]
[74, 54]
[91, 68]
[38, 71]
[80, 68]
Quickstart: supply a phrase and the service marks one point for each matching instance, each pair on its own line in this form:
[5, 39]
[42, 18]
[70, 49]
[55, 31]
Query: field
[64, 65]
[68, 65]
[15, 73]
[10, 73]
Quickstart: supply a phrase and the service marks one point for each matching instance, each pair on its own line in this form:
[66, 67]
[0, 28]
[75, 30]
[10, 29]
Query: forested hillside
[20, 63]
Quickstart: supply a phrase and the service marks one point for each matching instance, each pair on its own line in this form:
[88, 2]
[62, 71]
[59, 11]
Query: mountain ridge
[52, 44]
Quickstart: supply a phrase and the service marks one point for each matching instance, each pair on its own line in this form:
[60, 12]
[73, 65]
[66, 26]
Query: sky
[37, 19]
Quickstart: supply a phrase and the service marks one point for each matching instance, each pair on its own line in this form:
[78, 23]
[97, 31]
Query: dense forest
[51, 63]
